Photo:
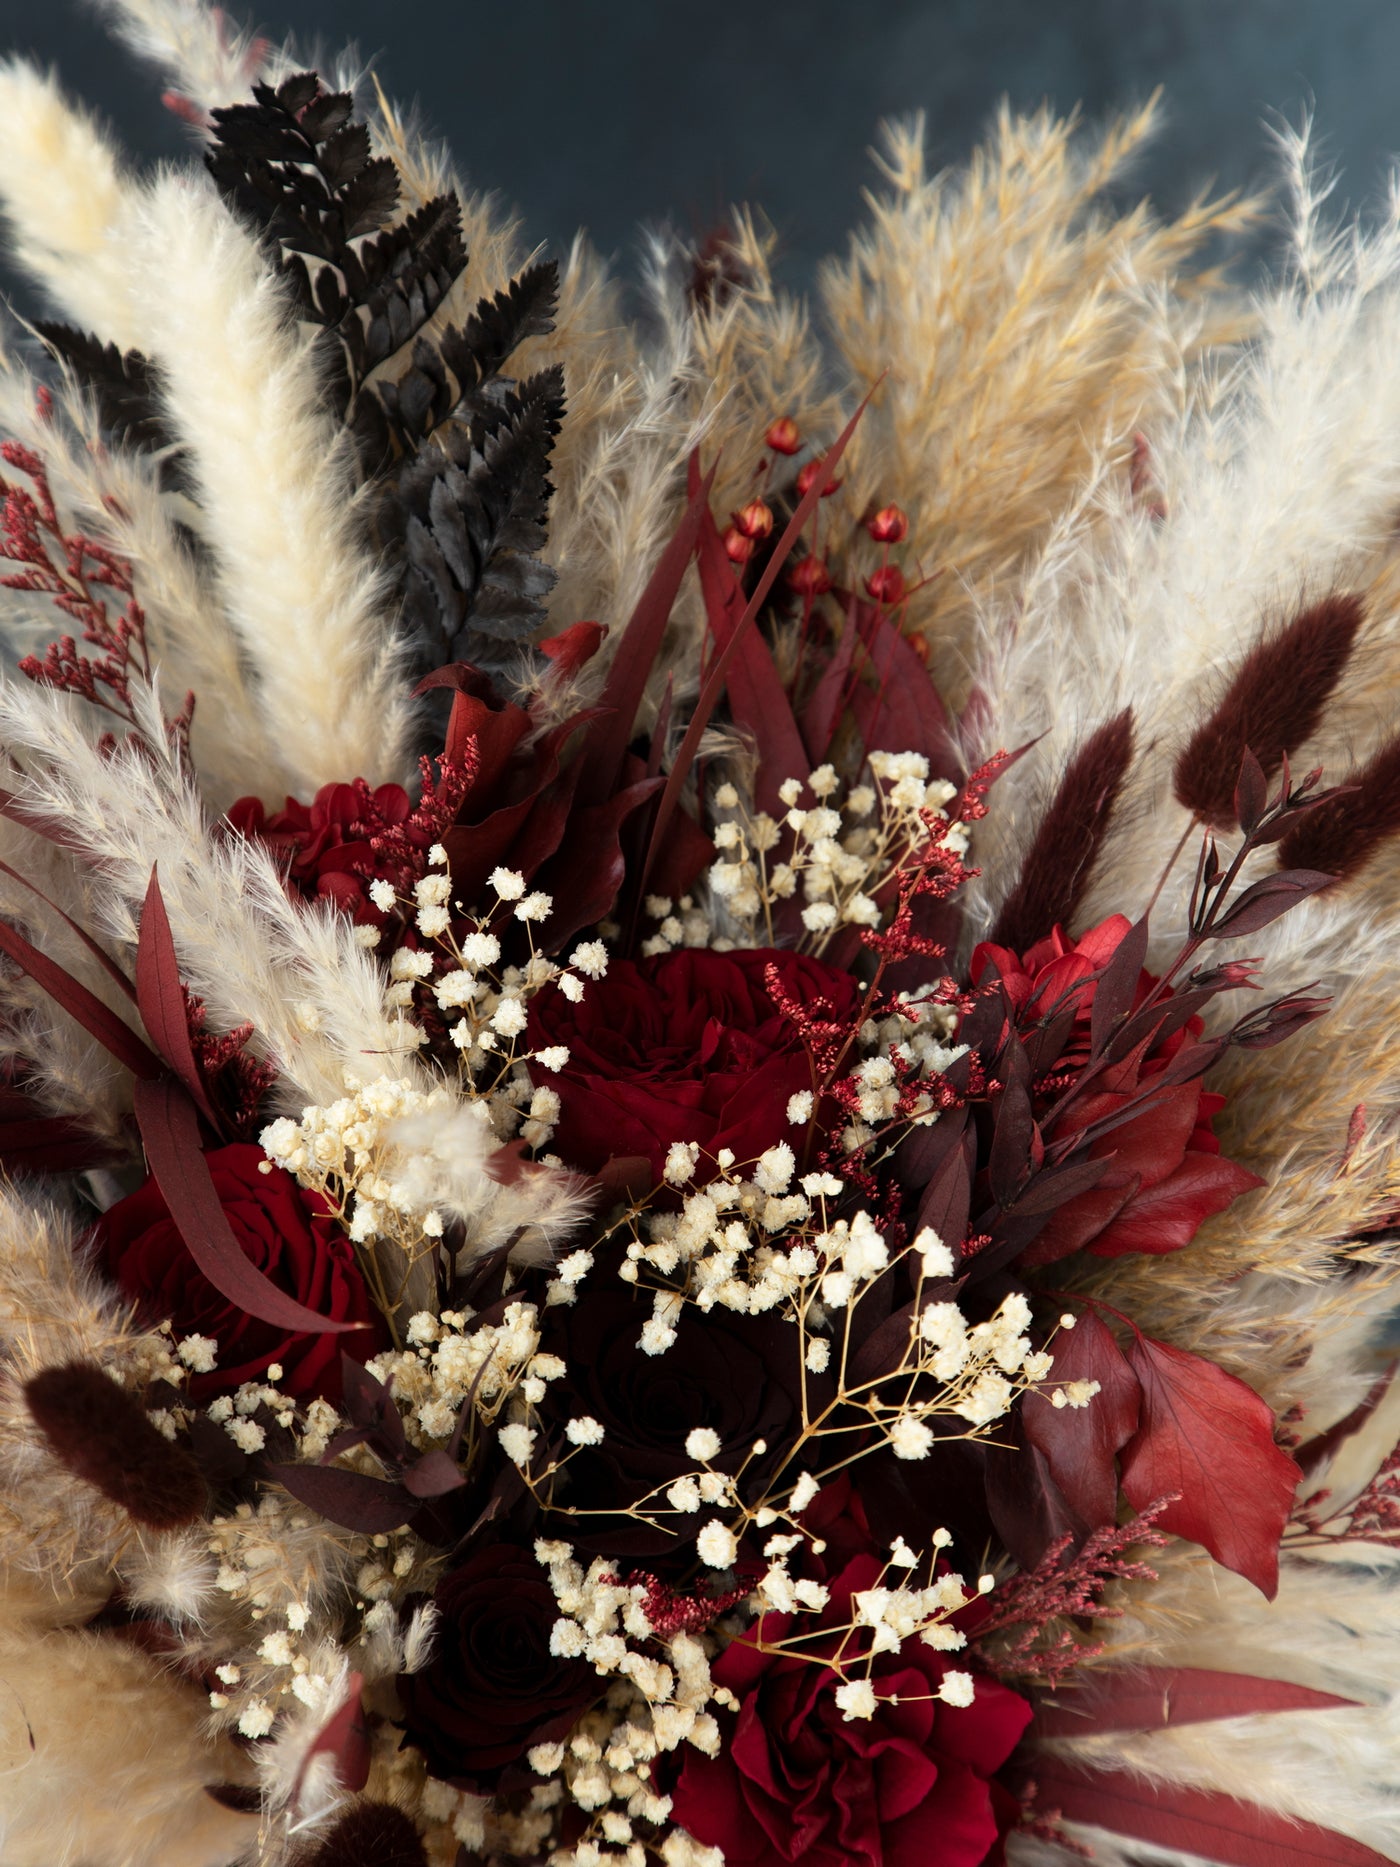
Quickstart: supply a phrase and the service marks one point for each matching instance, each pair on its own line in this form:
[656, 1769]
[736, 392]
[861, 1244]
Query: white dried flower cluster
[843, 850]
[451, 1357]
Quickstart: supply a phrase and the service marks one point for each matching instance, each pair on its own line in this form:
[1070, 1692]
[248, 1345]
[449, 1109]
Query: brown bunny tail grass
[103, 1435]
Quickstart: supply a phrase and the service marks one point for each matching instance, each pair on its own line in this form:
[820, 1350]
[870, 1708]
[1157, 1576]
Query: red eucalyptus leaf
[112, 1032]
[373, 1506]
[1251, 793]
[1116, 990]
[160, 999]
[1081, 1444]
[758, 700]
[947, 1198]
[1167, 1216]
[1150, 1698]
[1198, 1821]
[1265, 901]
[169, 1125]
[1049, 1190]
[1209, 1439]
[433, 1475]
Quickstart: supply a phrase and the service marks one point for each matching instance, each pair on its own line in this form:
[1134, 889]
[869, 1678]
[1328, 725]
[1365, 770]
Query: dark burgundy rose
[739, 1375]
[795, 1781]
[686, 1047]
[324, 845]
[289, 1233]
[493, 1689]
[1168, 1175]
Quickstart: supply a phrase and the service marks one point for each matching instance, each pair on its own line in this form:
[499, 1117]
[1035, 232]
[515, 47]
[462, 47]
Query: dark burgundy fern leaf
[1060, 860]
[102, 1434]
[1272, 704]
[124, 385]
[1342, 835]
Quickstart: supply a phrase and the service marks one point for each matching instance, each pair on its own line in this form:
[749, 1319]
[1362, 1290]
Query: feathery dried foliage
[1023, 335]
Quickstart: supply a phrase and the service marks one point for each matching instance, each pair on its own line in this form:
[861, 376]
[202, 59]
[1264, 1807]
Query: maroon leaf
[345, 1737]
[947, 1198]
[1150, 1698]
[1049, 1190]
[822, 713]
[758, 700]
[586, 874]
[373, 1506]
[1114, 994]
[903, 711]
[169, 1125]
[160, 999]
[1209, 1439]
[1251, 793]
[112, 1032]
[1082, 1443]
[715, 680]
[1266, 900]
[104, 960]
[1197, 1821]
[602, 754]
[433, 1475]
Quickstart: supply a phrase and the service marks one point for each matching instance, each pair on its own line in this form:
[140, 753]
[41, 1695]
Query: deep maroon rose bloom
[324, 845]
[289, 1233]
[493, 1688]
[909, 1787]
[739, 1375]
[687, 1047]
[1167, 1176]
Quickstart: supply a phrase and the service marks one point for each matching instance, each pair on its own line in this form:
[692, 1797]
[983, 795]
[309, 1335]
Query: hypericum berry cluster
[841, 853]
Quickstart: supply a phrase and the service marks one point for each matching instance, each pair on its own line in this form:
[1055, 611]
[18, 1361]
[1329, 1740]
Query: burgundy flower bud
[809, 473]
[888, 526]
[783, 437]
[809, 576]
[755, 520]
[738, 548]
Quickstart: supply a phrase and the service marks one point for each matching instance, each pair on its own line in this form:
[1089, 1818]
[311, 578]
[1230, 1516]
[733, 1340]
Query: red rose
[1167, 1176]
[293, 1237]
[493, 1689]
[797, 1781]
[325, 844]
[687, 1047]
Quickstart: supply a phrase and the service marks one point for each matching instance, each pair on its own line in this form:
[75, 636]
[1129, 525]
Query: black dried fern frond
[468, 516]
[124, 385]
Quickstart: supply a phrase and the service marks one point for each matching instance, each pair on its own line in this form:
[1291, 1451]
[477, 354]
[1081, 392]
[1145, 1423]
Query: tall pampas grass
[310, 607]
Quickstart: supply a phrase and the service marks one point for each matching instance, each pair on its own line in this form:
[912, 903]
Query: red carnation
[687, 1047]
[798, 1781]
[290, 1233]
[1168, 1175]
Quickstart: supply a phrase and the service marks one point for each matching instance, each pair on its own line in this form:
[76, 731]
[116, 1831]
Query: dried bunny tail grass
[103, 1435]
[113, 496]
[313, 995]
[1279, 478]
[370, 1831]
[310, 608]
[66, 199]
[1341, 837]
[209, 61]
[1018, 332]
[1066, 844]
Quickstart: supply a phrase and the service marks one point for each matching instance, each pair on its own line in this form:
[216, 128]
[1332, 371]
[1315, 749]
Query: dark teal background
[614, 113]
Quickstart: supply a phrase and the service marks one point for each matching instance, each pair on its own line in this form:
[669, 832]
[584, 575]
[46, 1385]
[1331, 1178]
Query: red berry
[886, 585]
[737, 548]
[783, 437]
[809, 576]
[809, 473]
[889, 526]
[755, 520]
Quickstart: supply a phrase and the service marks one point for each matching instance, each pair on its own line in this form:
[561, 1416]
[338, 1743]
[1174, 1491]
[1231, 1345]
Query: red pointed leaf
[161, 1001]
[1265, 901]
[112, 1032]
[344, 1736]
[602, 754]
[1207, 1437]
[902, 711]
[822, 713]
[1197, 1821]
[169, 1125]
[585, 875]
[1149, 1698]
[104, 960]
[1082, 1443]
[715, 680]
[433, 1475]
[1167, 1216]
[757, 698]
[373, 1506]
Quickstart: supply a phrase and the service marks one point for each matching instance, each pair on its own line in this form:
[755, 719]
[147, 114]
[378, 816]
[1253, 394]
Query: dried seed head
[783, 437]
[1060, 860]
[1272, 705]
[371, 1834]
[886, 585]
[101, 1433]
[1341, 836]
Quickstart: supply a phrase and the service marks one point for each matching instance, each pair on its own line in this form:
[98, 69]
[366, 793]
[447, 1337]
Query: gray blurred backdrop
[608, 113]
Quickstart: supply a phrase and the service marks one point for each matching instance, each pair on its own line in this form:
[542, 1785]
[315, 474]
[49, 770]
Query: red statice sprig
[671, 1611]
[73, 571]
[237, 1082]
[401, 849]
[1027, 1634]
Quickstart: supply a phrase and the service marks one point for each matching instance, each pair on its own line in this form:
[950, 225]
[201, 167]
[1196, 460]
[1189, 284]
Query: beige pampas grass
[210, 61]
[309, 606]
